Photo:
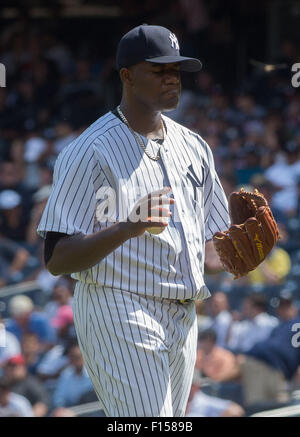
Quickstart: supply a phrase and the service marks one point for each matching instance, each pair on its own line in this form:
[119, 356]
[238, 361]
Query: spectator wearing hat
[74, 381]
[22, 383]
[13, 219]
[12, 404]
[25, 319]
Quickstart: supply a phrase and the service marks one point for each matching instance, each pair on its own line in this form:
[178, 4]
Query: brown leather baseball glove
[252, 235]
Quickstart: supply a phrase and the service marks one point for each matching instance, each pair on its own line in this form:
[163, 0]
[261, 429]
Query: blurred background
[60, 77]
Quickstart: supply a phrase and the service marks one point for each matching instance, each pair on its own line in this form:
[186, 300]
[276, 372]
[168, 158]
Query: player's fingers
[159, 212]
[160, 192]
[161, 200]
[158, 196]
[156, 222]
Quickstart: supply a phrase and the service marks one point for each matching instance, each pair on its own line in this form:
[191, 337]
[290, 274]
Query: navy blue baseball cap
[154, 44]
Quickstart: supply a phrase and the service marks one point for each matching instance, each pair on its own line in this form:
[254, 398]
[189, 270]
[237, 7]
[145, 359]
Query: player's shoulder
[82, 148]
[89, 136]
[191, 137]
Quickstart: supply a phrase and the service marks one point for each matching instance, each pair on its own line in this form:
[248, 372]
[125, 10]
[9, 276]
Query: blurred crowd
[54, 92]
[247, 360]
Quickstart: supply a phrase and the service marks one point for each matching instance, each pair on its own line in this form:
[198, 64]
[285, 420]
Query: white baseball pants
[139, 351]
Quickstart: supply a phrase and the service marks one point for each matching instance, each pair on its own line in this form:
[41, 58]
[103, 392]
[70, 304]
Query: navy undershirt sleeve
[51, 240]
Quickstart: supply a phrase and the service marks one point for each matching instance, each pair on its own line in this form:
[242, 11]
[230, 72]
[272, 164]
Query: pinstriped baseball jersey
[106, 160]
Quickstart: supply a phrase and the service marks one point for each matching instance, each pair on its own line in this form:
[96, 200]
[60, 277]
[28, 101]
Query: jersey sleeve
[71, 206]
[216, 205]
[218, 219]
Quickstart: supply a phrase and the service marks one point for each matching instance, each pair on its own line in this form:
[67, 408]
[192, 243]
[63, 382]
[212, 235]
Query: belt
[185, 301]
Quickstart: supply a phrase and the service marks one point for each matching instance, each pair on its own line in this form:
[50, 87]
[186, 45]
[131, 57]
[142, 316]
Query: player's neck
[142, 120]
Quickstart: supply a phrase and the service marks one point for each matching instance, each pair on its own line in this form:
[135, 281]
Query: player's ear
[126, 76]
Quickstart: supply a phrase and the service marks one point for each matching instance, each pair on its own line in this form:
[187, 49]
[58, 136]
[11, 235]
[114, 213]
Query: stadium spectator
[213, 361]
[15, 373]
[286, 309]
[11, 176]
[24, 319]
[57, 86]
[221, 319]
[13, 262]
[256, 325]
[31, 351]
[12, 404]
[63, 412]
[273, 270]
[266, 187]
[63, 320]
[9, 344]
[73, 381]
[13, 217]
[202, 405]
[266, 370]
[284, 174]
[62, 295]
[41, 275]
[56, 359]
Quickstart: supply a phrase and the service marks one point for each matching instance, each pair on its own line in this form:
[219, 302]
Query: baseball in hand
[155, 230]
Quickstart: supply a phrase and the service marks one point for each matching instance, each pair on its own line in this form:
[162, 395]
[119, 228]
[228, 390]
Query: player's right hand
[151, 211]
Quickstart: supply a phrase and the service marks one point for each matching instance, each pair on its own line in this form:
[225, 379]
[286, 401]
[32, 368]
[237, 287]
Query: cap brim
[187, 64]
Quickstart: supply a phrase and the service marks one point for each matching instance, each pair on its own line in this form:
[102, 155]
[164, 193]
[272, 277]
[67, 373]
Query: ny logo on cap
[174, 41]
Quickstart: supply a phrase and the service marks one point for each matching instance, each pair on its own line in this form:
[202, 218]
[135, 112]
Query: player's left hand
[251, 237]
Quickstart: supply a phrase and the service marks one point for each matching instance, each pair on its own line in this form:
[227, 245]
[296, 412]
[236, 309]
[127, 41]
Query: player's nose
[172, 77]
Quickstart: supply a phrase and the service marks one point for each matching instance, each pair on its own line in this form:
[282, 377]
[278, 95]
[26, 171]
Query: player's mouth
[172, 91]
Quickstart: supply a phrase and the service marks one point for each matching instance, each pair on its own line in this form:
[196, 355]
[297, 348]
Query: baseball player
[135, 199]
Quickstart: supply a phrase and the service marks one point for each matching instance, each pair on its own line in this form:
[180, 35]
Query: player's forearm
[81, 252]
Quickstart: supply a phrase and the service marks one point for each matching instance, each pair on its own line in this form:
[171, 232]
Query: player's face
[157, 86]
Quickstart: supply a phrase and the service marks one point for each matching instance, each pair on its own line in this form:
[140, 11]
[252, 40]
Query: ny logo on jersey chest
[174, 41]
[194, 179]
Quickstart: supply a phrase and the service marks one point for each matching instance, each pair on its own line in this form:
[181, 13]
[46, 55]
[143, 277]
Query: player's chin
[170, 102]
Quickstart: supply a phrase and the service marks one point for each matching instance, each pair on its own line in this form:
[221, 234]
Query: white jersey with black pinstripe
[107, 159]
[137, 338]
